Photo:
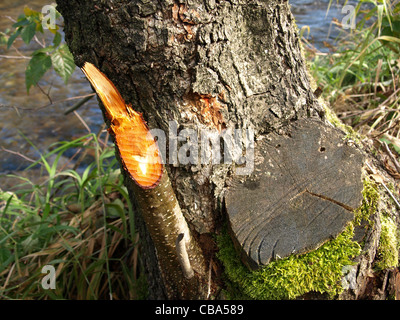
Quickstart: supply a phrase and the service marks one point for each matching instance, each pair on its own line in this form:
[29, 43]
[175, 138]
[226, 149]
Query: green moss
[335, 121]
[389, 242]
[388, 250]
[320, 270]
[369, 203]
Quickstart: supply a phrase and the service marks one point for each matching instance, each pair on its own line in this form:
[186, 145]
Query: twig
[82, 121]
[10, 18]
[14, 57]
[77, 163]
[387, 189]
[390, 97]
[17, 111]
[78, 104]
[84, 153]
[183, 256]
[46, 94]
[43, 45]
[99, 132]
[387, 129]
[18, 154]
[378, 71]
[17, 51]
[380, 109]
[209, 279]
[392, 157]
[47, 105]
[8, 277]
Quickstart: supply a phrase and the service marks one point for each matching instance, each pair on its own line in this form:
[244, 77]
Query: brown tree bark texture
[205, 64]
[167, 57]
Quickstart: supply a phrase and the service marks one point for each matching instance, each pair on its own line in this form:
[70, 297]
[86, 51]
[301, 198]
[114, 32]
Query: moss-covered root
[318, 271]
[321, 270]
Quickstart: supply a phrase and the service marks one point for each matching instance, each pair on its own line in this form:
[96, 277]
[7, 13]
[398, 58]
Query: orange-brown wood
[138, 149]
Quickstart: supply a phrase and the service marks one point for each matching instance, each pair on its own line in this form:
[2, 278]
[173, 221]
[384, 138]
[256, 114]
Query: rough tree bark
[206, 64]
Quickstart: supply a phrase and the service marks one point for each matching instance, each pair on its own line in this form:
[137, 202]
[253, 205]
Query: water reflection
[26, 114]
[313, 13]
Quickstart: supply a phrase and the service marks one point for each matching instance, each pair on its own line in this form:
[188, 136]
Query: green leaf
[43, 50]
[5, 254]
[32, 15]
[12, 38]
[57, 39]
[21, 22]
[63, 62]
[30, 243]
[36, 68]
[39, 27]
[5, 258]
[3, 38]
[28, 32]
[115, 209]
[395, 147]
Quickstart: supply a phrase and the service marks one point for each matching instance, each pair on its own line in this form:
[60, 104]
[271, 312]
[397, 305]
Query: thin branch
[82, 121]
[46, 94]
[384, 185]
[78, 104]
[183, 256]
[10, 18]
[18, 154]
[387, 129]
[392, 157]
[43, 45]
[14, 57]
[79, 160]
[47, 105]
[209, 279]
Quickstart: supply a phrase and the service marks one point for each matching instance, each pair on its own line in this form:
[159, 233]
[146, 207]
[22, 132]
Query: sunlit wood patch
[138, 149]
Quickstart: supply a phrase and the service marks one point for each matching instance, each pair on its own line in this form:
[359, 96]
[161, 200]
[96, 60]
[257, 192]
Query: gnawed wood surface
[303, 191]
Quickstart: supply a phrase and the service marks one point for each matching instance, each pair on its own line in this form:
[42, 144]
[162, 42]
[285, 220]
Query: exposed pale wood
[139, 152]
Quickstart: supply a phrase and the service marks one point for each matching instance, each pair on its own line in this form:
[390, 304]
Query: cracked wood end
[138, 149]
[302, 192]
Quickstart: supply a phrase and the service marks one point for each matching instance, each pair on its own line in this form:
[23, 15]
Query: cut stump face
[302, 192]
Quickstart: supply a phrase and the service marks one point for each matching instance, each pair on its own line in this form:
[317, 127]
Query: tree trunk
[207, 65]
